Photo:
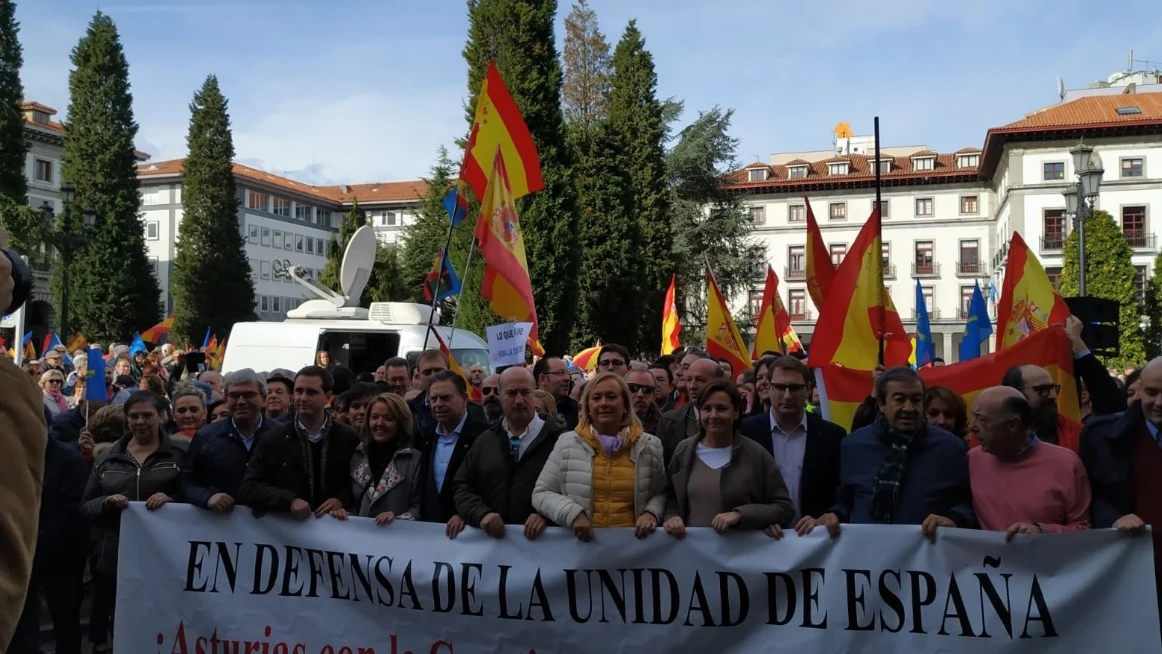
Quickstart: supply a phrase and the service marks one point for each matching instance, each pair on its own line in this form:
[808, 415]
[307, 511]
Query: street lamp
[1081, 198]
[66, 241]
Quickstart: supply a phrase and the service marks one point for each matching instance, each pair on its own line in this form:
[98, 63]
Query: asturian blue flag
[137, 345]
[925, 348]
[95, 388]
[206, 340]
[456, 203]
[441, 282]
[978, 328]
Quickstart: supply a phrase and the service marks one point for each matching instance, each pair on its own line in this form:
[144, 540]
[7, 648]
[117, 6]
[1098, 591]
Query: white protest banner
[191, 581]
[506, 343]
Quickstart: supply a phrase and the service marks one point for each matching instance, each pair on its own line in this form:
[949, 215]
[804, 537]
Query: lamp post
[1081, 198]
[66, 241]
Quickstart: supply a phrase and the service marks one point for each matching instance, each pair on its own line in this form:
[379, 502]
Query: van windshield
[466, 357]
[361, 351]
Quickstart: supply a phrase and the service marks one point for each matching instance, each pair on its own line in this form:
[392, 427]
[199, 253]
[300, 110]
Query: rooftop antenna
[1130, 69]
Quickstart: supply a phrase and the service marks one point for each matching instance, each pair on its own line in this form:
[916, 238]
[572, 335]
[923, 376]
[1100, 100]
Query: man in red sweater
[1021, 484]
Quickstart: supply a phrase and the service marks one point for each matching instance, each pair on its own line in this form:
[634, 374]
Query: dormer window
[797, 172]
[885, 166]
[839, 168]
[756, 175]
[40, 117]
[924, 163]
[967, 161]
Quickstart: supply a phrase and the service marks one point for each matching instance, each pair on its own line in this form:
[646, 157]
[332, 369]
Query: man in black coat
[303, 467]
[805, 447]
[444, 446]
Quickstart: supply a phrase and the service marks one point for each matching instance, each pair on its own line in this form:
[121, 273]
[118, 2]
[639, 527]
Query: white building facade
[948, 218]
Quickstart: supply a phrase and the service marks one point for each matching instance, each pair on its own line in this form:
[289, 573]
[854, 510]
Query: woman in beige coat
[606, 473]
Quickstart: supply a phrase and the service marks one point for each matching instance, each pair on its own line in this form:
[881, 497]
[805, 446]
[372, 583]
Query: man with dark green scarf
[898, 470]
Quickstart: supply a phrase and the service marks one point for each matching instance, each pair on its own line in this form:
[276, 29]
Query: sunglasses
[490, 390]
[635, 388]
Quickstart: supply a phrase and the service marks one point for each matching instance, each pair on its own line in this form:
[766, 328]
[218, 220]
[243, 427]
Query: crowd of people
[681, 442]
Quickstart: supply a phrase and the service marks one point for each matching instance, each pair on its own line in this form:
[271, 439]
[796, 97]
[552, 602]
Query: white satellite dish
[358, 259]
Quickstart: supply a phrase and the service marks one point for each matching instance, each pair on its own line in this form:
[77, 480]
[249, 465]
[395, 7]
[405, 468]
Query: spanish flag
[841, 390]
[1028, 302]
[506, 270]
[474, 393]
[78, 342]
[820, 270]
[723, 340]
[587, 359]
[154, 334]
[671, 326]
[774, 332]
[859, 310]
[499, 125]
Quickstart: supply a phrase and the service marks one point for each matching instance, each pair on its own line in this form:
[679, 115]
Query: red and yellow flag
[78, 342]
[499, 125]
[723, 340]
[154, 334]
[506, 269]
[859, 309]
[1028, 302]
[774, 332]
[820, 270]
[843, 389]
[671, 326]
[474, 393]
[587, 359]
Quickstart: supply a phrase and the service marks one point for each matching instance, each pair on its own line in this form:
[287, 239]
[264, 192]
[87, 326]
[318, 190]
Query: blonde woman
[51, 383]
[606, 473]
[545, 403]
[385, 469]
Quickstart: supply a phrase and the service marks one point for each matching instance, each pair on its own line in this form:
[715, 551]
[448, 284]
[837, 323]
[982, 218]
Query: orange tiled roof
[38, 107]
[1090, 111]
[366, 193]
[925, 153]
[860, 170]
[967, 151]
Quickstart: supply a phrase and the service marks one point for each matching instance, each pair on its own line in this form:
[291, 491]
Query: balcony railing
[794, 274]
[926, 269]
[1052, 242]
[1140, 240]
[933, 314]
[801, 315]
[970, 268]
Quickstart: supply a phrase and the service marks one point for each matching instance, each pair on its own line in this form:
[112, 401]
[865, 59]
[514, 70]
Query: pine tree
[518, 36]
[352, 221]
[211, 282]
[587, 68]
[387, 283]
[113, 292]
[1109, 274]
[1154, 311]
[13, 147]
[708, 222]
[636, 117]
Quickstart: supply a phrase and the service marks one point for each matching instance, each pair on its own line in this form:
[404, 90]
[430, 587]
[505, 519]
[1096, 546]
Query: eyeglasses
[793, 388]
[1045, 390]
[248, 395]
[642, 388]
[611, 363]
[489, 390]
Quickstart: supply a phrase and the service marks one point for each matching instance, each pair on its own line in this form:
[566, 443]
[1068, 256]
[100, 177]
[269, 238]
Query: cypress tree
[518, 36]
[1154, 311]
[113, 292]
[211, 274]
[352, 221]
[587, 68]
[387, 283]
[636, 117]
[13, 147]
[1109, 274]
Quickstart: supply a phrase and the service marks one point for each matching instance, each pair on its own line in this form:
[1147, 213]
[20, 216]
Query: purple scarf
[611, 445]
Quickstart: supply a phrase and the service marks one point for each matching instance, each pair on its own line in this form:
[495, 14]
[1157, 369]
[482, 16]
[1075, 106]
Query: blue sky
[332, 91]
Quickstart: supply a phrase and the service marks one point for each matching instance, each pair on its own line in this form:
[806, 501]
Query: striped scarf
[886, 491]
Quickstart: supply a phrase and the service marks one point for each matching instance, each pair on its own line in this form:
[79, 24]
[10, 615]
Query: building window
[924, 206]
[796, 262]
[756, 175]
[320, 247]
[298, 242]
[929, 300]
[886, 249]
[797, 213]
[391, 219]
[969, 204]
[967, 161]
[923, 163]
[288, 240]
[1134, 226]
[310, 245]
[155, 197]
[276, 304]
[1053, 229]
[885, 208]
[1140, 283]
[253, 234]
[1133, 167]
[1053, 171]
[838, 251]
[797, 172]
[758, 216]
[264, 303]
[969, 263]
[755, 302]
[837, 211]
[151, 229]
[925, 261]
[303, 212]
[1054, 275]
[254, 269]
[154, 265]
[43, 171]
[838, 168]
[797, 303]
[885, 166]
[264, 267]
[266, 236]
[281, 207]
[276, 241]
[323, 217]
[965, 300]
[257, 201]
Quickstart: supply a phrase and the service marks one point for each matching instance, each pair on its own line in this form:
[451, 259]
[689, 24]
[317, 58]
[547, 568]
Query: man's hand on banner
[932, 522]
[582, 527]
[534, 526]
[829, 521]
[1021, 528]
[300, 509]
[220, 502]
[454, 527]
[327, 507]
[493, 525]
[1130, 524]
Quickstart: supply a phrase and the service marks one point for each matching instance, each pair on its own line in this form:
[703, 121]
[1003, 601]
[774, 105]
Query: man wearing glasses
[642, 389]
[553, 377]
[613, 358]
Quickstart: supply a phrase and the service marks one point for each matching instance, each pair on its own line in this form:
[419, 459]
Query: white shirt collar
[775, 425]
[533, 428]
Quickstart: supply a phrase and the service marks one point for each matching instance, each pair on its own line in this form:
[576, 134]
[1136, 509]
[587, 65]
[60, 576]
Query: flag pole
[880, 238]
[463, 285]
[436, 291]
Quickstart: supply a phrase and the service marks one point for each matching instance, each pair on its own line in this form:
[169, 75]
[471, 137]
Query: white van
[358, 338]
